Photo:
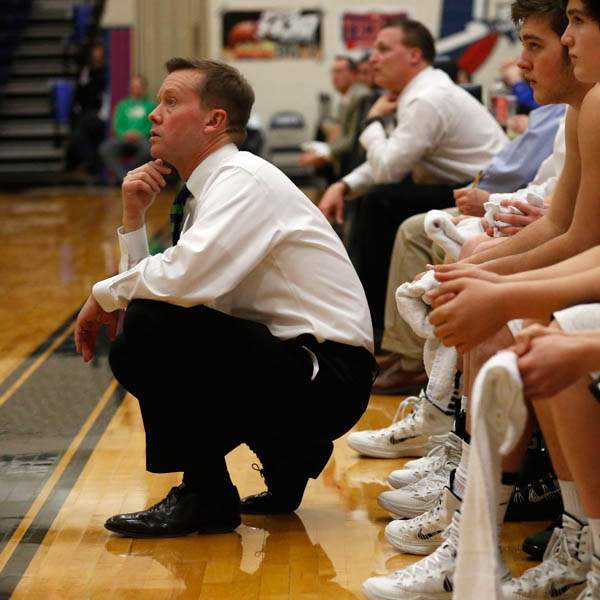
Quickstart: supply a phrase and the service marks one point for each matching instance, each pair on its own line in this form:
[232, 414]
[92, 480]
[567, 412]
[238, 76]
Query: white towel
[498, 416]
[410, 306]
[450, 237]
[440, 362]
[321, 149]
[533, 194]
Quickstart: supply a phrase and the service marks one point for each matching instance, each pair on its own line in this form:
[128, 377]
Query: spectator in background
[340, 139]
[131, 127]
[513, 80]
[88, 122]
[365, 73]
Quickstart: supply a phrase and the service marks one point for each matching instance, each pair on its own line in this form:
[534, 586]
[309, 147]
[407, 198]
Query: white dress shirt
[443, 135]
[252, 246]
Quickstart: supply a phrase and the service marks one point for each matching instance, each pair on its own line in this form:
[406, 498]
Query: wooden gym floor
[71, 450]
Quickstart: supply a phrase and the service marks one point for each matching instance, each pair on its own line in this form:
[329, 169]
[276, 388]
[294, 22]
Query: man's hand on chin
[89, 320]
[139, 189]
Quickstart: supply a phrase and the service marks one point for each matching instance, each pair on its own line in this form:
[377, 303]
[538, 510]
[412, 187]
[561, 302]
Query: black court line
[14, 569]
[38, 423]
[31, 358]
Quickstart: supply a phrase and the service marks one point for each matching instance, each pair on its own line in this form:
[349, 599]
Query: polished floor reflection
[71, 452]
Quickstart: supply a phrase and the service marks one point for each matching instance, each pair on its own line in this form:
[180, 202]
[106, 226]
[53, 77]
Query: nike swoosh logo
[557, 592]
[448, 587]
[395, 440]
[427, 536]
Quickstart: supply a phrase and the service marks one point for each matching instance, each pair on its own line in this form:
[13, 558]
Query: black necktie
[177, 213]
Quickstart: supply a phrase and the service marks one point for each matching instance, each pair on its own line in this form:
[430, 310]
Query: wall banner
[359, 29]
[269, 34]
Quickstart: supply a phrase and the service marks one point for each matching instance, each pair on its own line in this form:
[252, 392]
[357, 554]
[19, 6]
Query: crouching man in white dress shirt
[252, 328]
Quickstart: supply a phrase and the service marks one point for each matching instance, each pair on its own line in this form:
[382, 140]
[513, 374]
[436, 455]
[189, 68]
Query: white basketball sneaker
[419, 497]
[562, 574]
[449, 451]
[423, 534]
[420, 463]
[592, 589]
[409, 436]
[428, 579]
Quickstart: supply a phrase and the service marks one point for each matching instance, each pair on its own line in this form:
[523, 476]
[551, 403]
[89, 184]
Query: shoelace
[168, 501]
[565, 549]
[453, 448]
[573, 540]
[439, 561]
[593, 585]
[403, 417]
[430, 468]
[427, 486]
[444, 457]
[407, 406]
[427, 518]
[444, 449]
[438, 450]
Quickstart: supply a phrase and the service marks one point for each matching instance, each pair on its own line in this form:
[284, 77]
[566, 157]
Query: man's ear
[216, 121]
[416, 56]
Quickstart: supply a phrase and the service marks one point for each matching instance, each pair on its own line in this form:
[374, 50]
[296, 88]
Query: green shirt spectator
[131, 114]
[130, 147]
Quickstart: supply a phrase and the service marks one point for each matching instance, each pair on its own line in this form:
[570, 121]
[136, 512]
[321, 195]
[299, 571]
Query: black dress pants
[382, 211]
[208, 382]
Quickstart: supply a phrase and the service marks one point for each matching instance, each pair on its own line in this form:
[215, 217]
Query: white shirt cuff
[356, 183]
[102, 294]
[133, 246]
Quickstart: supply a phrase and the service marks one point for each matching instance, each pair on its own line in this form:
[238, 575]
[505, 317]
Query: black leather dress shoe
[536, 543]
[283, 496]
[183, 511]
[267, 503]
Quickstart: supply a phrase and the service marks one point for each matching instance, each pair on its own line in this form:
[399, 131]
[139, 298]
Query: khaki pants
[413, 250]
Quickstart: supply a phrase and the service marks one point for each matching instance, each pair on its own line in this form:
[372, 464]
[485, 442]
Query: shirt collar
[205, 169]
[417, 80]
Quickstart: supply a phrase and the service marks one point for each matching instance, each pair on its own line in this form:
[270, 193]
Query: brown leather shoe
[393, 379]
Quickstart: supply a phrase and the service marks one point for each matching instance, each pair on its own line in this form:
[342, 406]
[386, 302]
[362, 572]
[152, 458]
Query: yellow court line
[16, 537]
[25, 376]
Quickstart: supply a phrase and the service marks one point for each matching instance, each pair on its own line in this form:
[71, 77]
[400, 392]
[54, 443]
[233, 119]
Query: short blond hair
[223, 87]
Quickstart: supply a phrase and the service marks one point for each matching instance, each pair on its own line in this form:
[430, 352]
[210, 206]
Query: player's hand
[518, 222]
[471, 311]
[470, 201]
[549, 360]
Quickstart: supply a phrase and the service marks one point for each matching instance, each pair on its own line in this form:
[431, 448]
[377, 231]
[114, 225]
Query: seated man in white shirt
[256, 278]
[442, 139]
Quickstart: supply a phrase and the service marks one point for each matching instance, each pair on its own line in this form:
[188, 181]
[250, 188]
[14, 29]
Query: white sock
[571, 500]
[460, 477]
[595, 529]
